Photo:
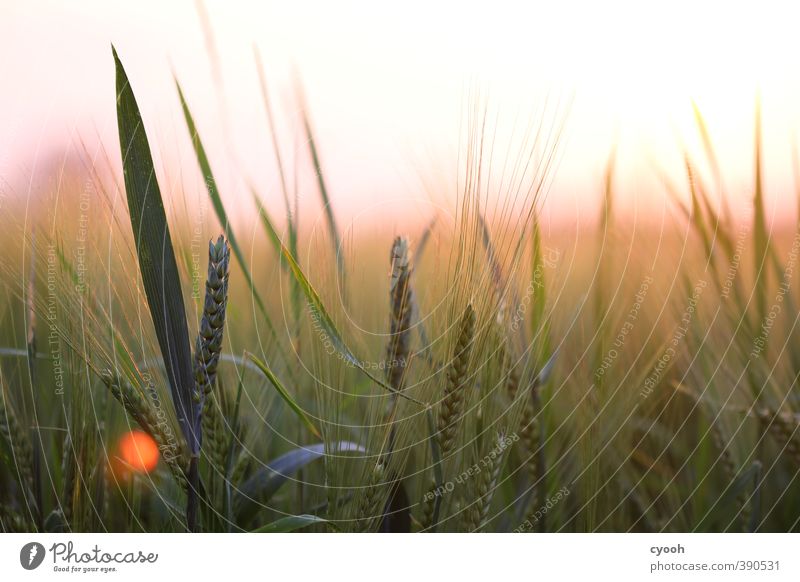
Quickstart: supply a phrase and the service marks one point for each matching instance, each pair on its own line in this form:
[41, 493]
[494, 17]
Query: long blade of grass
[290, 523]
[697, 216]
[721, 512]
[219, 208]
[266, 482]
[157, 263]
[317, 308]
[397, 511]
[755, 500]
[270, 224]
[422, 244]
[284, 393]
[760, 235]
[600, 286]
[504, 286]
[711, 156]
[290, 216]
[31, 347]
[540, 323]
[323, 191]
[705, 136]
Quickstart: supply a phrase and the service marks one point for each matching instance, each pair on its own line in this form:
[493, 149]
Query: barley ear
[785, 429]
[241, 466]
[370, 504]
[428, 506]
[12, 521]
[18, 442]
[485, 486]
[69, 469]
[725, 457]
[452, 406]
[401, 302]
[137, 406]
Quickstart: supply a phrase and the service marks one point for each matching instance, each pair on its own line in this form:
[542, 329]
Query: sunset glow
[387, 89]
[138, 451]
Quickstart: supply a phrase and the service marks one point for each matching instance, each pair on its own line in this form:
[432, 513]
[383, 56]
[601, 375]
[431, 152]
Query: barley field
[170, 364]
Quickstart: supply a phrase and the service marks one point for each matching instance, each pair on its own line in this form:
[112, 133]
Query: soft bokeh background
[388, 87]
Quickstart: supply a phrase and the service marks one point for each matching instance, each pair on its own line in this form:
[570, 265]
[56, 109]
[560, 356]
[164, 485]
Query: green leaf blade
[317, 308]
[290, 523]
[284, 393]
[222, 215]
[156, 255]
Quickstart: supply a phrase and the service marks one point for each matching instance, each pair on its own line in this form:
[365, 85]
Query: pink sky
[387, 87]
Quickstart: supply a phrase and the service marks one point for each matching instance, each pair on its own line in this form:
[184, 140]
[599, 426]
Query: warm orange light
[139, 451]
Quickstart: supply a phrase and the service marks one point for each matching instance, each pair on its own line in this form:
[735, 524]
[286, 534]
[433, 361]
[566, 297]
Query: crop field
[170, 363]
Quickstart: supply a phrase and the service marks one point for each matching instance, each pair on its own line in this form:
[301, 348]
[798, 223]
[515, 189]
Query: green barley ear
[18, 442]
[428, 507]
[785, 429]
[529, 433]
[69, 470]
[722, 444]
[397, 360]
[209, 339]
[477, 514]
[728, 465]
[12, 521]
[401, 301]
[369, 506]
[452, 406]
[529, 427]
[140, 409]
